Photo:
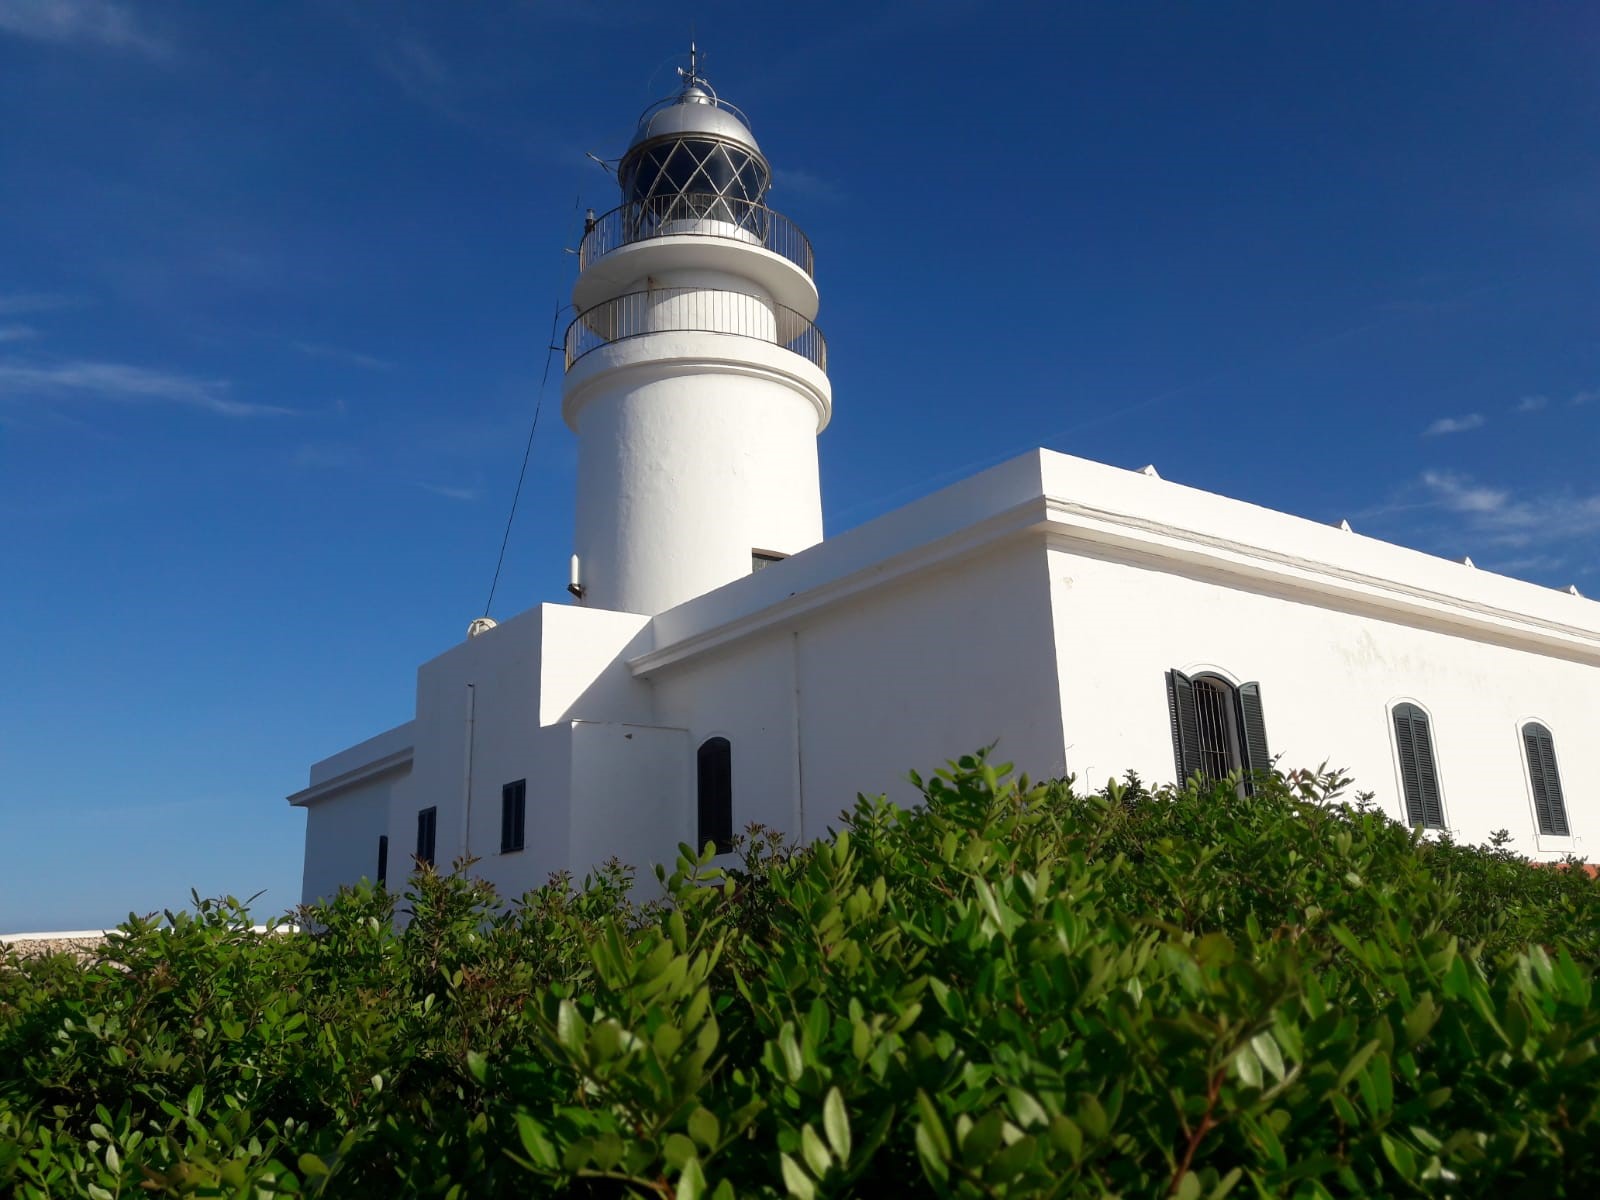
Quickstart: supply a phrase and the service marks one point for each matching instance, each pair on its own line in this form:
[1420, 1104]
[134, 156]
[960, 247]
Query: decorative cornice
[389, 764]
[1073, 521]
[1070, 524]
[936, 553]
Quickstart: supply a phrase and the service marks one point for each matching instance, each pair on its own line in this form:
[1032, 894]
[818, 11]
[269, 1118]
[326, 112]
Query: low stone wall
[83, 943]
[80, 942]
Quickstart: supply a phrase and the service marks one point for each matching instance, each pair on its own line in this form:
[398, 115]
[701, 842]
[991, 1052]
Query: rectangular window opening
[760, 560]
[427, 827]
[1216, 734]
[513, 815]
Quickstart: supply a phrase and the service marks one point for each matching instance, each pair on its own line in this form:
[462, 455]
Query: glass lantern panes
[695, 179]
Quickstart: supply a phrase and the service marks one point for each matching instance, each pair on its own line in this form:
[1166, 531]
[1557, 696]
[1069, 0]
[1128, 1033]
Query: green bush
[1008, 991]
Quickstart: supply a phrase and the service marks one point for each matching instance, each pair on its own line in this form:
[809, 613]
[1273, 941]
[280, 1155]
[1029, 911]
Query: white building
[724, 664]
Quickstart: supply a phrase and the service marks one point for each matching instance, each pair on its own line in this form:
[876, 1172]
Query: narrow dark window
[1216, 727]
[1549, 805]
[513, 815]
[427, 826]
[383, 858]
[761, 559]
[1212, 702]
[1418, 775]
[714, 768]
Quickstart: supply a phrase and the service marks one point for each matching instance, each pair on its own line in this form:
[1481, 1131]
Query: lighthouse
[696, 379]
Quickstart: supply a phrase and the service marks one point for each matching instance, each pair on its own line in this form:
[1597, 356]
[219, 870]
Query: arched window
[1216, 727]
[1413, 742]
[1549, 805]
[714, 764]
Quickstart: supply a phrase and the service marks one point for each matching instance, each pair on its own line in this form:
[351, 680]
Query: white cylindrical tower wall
[694, 451]
[695, 383]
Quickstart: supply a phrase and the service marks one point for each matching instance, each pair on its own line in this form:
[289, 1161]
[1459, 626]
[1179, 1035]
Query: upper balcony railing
[698, 214]
[696, 310]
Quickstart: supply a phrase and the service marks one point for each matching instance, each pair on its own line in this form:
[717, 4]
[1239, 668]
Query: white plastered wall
[895, 679]
[746, 696]
[1329, 678]
[631, 797]
[693, 449]
[929, 670]
[509, 693]
[342, 834]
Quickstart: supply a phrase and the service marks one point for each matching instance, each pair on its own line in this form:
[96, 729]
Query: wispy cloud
[82, 22]
[348, 357]
[1524, 565]
[1500, 517]
[422, 74]
[1459, 494]
[16, 304]
[1454, 425]
[1534, 403]
[121, 383]
[17, 333]
[466, 495]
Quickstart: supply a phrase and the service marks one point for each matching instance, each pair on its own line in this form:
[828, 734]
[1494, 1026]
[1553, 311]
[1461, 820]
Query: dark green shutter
[1253, 729]
[1432, 806]
[1418, 775]
[1549, 805]
[1185, 724]
[1410, 783]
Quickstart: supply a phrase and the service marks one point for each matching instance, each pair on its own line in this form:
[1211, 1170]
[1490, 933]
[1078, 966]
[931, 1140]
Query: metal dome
[694, 155]
[695, 110]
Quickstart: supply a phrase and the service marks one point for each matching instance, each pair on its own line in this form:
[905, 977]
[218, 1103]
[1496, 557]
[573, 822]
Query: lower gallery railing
[694, 310]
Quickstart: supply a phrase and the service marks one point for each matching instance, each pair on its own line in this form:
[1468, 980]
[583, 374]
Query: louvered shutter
[1427, 775]
[1549, 804]
[1418, 775]
[1410, 781]
[1254, 755]
[1185, 724]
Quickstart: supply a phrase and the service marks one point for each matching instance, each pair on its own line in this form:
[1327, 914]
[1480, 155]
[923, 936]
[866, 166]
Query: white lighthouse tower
[696, 381]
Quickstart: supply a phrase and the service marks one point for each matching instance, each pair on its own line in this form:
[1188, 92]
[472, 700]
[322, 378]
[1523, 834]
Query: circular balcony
[696, 214]
[694, 310]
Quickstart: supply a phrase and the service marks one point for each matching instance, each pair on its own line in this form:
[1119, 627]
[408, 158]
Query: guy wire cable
[527, 451]
[538, 407]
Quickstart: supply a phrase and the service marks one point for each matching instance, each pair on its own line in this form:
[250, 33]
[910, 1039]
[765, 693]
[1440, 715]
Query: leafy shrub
[1009, 990]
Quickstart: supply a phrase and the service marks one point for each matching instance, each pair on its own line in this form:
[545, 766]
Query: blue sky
[277, 280]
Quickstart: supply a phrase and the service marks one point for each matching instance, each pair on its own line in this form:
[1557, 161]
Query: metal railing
[696, 310]
[700, 214]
